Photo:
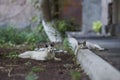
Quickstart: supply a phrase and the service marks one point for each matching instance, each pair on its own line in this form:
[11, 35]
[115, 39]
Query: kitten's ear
[84, 42]
[52, 44]
[46, 45]
[79, 43]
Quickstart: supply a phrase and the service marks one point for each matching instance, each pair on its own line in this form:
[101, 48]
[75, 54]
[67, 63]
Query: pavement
[112, 55]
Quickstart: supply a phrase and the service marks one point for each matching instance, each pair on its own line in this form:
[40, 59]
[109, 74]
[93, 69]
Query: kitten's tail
[103, 49]
[25, 55]
[100, 48]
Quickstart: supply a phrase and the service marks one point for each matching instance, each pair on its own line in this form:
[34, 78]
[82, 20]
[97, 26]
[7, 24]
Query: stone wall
[16, 12]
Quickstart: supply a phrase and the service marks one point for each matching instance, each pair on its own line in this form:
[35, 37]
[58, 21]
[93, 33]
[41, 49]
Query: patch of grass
[66, 45]
[28, 63]
[62, 26]
[31, 46]
[37, 69]
[75, 75]
[12, 55]
[12, 36]
[31, 76]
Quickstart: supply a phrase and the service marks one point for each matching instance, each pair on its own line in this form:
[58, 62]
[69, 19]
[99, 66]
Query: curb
[94, 66]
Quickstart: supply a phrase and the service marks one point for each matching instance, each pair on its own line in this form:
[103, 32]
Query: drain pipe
[52, 33]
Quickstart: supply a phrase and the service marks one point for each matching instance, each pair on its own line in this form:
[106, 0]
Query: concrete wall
[105, 14]
[116, 11]
[20, 12]
[16, 12]
[95, 10]
[116, 16]
[91, 11]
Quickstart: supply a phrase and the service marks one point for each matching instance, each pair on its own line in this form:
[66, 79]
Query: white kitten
[43, 54]
[83, 45]
[89, 45]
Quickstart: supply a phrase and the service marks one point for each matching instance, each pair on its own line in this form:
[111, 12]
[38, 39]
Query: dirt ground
[27, 69]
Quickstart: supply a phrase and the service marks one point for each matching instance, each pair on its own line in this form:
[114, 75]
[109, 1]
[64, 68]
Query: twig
[9, 72]
[1, 67]
[11, 65]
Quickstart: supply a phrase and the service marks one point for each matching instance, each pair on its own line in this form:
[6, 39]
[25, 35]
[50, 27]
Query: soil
[22, 69]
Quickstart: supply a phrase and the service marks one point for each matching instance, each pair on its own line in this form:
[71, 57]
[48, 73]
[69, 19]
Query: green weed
[11, 36]
[28, 63]
[37, 69]
[12, 55]
[97, 25]
[75, 75]
[62, 26]
[67, 46]
[31, 76]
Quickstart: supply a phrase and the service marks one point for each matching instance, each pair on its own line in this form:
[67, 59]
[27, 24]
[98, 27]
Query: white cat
[89, 45]
[43, 54]
[83, 45]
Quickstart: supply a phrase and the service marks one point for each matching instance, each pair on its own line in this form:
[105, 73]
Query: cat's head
[50, 47]
[82, 45]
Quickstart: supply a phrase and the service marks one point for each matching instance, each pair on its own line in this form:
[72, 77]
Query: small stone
[65, 52]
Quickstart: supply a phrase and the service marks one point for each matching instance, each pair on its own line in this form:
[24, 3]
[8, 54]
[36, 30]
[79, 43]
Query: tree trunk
[54, 8]
[45, 5]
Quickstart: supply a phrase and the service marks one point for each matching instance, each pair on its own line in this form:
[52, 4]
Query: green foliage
[12, 55]
[31, 46]
[39, 28]
[97, 25]
[66, 45]
[37, 69]
[62, 26]
[37, 35]
[28, 63]
[31, 76]
[36, 4]
[11, 35]
[65, 42]
[75, 75]
[34, 19]
[31, 38]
